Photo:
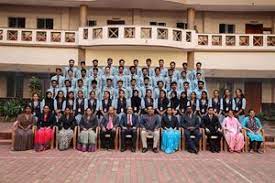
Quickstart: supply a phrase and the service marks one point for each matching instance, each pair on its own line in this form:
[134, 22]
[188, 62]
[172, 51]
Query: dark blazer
[212, 124]
[105, 120]
[190, 121]
[123, 121]
[169, 123]
[47, 122]
[150, 122]
[65, 123]
[87, 124]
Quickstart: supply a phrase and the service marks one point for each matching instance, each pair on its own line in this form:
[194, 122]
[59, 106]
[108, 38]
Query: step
[5, 134]
[5, 141]
[270, 145]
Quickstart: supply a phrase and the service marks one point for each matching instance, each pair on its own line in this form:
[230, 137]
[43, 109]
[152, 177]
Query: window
[227, 28]
[91, 23]
[44, 23]
[158, 23]
[115, 22]
[17, 22]
[182, 25]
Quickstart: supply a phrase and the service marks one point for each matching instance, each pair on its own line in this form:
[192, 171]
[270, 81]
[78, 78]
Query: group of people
[99, 100]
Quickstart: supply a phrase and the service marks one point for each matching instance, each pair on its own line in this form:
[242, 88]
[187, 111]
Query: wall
[237, 60]
[130, 54]
[37, 55]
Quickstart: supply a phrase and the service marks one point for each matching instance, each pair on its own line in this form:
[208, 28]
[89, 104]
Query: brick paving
[112, 166]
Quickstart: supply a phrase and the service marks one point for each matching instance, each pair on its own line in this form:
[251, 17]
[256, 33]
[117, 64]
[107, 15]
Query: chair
[77, 132]
[107, 135]
[192, 136]
[56, 137]
[247, 141]
[204, 137]
[128, 137]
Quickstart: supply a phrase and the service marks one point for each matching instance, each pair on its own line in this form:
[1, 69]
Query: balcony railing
[36, 36]
[236, 41]
[139, 36]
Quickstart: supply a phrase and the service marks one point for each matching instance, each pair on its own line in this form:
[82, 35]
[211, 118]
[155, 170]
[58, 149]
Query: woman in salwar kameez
[232, 133]
[253, 126]
[23, 139]
[44, 132]
[87, 136]
[170, 134]
[66, 126]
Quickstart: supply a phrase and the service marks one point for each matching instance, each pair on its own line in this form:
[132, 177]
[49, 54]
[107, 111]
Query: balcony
[238, 42]
[137, 36]
[38, 37]
[131, 35]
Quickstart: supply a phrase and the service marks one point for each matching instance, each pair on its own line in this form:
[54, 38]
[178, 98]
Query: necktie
[53, 92]
[129, 123]
[110, 124]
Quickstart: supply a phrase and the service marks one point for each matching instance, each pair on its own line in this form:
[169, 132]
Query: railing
[36, 36]
[137, 35]
[236, 41]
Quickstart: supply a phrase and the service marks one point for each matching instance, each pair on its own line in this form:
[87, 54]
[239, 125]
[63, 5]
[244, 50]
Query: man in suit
[108, 125]
[129, 124]
[191, 124]
[213, 130]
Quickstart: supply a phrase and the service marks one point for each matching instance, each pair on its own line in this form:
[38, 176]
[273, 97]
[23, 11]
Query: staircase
[5, 137]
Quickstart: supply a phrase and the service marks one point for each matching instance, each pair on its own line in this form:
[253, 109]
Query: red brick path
[103, 167]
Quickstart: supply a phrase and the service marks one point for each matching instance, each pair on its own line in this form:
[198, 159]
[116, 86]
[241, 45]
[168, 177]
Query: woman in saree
[23, 139]
[232, 133]
[44, 132]
[87, 136]
[170, 132]
[65, 126]
[253, 127]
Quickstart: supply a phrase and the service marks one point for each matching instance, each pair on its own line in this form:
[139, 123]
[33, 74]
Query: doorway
[254, 28]
[253, 94]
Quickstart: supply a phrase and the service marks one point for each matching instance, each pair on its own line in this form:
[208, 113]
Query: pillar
[191, 60]
[136, 17]
[273, 25]
[83, 15]
[81, 55]
[191, 18]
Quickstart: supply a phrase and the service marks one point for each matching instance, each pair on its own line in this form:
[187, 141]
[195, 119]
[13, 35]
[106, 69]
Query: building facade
[234, 40]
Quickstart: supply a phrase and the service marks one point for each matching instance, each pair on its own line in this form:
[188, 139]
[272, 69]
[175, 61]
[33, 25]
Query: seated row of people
[178, 103]
[159, 78]
[149, 125]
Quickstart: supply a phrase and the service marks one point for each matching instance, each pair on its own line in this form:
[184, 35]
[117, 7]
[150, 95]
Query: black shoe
[122, 149]
[133, 149]
[196, 151]
[155, 150]
[144, 150]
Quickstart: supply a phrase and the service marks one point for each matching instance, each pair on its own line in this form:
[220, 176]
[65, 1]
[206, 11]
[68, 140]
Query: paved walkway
[104, 167]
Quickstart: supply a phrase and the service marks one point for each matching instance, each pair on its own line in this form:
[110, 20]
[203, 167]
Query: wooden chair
[204, 137]
[128, 137]
[247, 141]
[192, 136]
[77, 132]
[107, 135]
[56, 137]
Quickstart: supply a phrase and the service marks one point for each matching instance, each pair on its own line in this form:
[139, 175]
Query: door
[253, 94]
[254, 28]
